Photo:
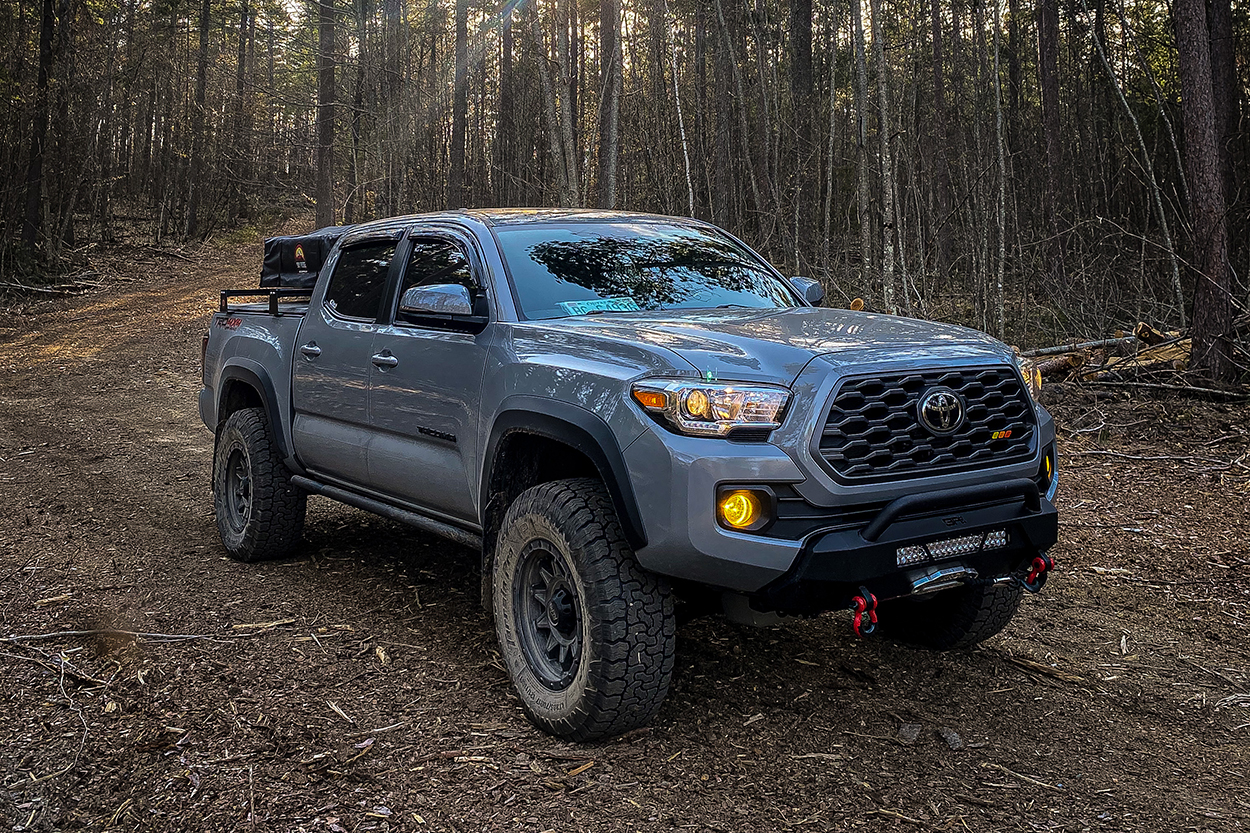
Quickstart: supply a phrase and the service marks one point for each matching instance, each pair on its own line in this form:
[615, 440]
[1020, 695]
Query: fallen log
[1106, 343]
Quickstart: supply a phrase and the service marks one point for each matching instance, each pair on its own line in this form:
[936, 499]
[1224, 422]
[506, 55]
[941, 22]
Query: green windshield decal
[600, 305]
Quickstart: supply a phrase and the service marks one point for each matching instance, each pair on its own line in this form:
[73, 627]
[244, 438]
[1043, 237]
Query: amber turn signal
[652, 400]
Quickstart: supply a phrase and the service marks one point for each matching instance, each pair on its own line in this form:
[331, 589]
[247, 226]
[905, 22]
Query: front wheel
[588, 636]
[260, 514]
[958, 618]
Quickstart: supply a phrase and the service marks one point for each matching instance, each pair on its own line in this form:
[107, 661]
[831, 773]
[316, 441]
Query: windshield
[587, 268]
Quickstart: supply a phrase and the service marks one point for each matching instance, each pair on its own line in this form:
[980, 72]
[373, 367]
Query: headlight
[1032, 375]
[709, 409]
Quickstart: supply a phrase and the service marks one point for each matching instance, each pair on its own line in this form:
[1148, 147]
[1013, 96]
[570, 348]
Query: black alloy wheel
[550, 620]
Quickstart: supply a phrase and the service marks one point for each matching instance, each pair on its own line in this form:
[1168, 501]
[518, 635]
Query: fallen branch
[164, 637]
[60, 667]
[1024, 778]
[47, 291]
[1031, 665]
[1192, 389]
[1078, 346]
[896, 815]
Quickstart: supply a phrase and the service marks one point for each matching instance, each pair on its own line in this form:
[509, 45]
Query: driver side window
[436, 262]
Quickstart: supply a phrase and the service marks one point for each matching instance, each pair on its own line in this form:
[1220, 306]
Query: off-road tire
[958, 618]
[561, 551]
[260, 514]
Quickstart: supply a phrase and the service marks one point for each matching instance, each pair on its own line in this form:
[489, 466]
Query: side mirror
[439, 299]
[810, 289]
[447, 303]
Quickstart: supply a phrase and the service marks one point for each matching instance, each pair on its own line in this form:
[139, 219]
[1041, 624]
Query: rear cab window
[358, 283]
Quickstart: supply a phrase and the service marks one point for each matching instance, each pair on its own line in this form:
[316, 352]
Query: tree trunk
[354, 209]
[555, 143]
[1048, 70]
[505, 138]
[722, 169]
[941, 160]
[32, 226]
[610, 72]
[238, 202]
[326, 36]
[1213, 308]
[861, 144]
[889, 288]
[459, 108]
[197, 127]
[1224, 90]
[801, 75]
[1000, 308]
[681, 119]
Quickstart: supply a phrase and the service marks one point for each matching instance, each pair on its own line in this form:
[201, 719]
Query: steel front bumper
[835, 563]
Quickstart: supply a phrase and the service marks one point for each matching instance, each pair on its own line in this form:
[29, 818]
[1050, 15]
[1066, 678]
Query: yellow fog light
[1050, 467]
[744, 509]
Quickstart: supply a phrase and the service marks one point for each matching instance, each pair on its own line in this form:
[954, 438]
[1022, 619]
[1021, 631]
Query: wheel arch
[244, 383]
[524, 433]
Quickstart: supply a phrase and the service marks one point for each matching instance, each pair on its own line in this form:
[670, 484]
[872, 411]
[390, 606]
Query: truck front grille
[873, 430]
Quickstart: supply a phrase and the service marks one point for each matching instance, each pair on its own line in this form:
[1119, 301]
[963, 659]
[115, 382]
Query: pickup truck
[629, 416]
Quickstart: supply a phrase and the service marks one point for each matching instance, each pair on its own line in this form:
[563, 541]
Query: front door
[424, 399]
[330, 384]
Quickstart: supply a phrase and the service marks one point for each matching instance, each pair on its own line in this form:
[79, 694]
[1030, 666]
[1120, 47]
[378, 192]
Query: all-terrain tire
[588, 636]
[260, 514]
[958, 618]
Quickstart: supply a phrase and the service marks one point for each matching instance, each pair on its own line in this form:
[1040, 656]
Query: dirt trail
[357, 686]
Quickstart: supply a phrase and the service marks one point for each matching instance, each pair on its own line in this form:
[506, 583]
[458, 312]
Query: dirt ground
[358, 687]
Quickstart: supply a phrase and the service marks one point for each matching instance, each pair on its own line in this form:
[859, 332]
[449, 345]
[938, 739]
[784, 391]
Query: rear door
[330, 387]
[424, 399]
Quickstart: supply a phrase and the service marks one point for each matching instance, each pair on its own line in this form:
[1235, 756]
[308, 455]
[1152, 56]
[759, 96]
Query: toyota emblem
[941, 410]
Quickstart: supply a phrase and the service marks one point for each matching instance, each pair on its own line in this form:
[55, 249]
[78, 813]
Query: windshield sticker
[600, 305]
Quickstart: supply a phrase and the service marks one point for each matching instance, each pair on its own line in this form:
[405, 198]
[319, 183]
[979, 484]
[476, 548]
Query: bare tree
[326, 50]
[610, 75]
[1213, 302]
[459, 108]
[197, 126]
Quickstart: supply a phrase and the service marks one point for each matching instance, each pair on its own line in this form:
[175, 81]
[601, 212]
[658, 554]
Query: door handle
[311, 350]
[384, 360]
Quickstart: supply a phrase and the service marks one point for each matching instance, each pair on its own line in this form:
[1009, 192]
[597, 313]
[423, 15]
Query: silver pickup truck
[629, 416]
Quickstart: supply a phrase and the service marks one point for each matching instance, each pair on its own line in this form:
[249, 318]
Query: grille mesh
[873, 430]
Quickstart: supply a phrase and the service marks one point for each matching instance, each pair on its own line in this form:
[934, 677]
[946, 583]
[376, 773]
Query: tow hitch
[1036, 579]
[864, 603]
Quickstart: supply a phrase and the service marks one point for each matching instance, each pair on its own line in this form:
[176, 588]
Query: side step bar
[386, 510]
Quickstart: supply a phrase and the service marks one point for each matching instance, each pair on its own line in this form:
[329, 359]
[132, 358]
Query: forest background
[1044, 170]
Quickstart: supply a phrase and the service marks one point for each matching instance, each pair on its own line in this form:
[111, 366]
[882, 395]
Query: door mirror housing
[809, 288]
[446, 303]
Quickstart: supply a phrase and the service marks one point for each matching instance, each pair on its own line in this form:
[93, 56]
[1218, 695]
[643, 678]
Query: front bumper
[833, 565]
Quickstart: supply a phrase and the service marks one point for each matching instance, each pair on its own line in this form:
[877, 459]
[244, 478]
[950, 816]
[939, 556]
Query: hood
[775, 345]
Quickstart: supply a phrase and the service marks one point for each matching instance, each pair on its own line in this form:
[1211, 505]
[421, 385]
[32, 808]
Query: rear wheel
[588, 636]
[260, 514]
[958, 618]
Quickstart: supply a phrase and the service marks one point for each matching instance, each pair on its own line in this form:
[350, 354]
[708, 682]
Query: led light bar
[951, 547]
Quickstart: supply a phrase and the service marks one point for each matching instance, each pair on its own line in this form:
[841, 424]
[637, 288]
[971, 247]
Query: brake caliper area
[1036, 579]
[864, 603]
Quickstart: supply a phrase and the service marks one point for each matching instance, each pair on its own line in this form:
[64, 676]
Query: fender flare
[580, 429]
[251, 373]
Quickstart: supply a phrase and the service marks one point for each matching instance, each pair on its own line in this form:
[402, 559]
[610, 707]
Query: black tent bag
[295, 261]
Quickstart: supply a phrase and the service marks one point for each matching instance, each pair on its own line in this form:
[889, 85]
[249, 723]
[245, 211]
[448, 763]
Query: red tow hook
[1036, 579]
[865, 602]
